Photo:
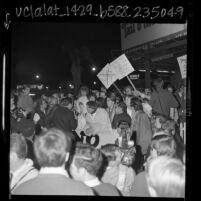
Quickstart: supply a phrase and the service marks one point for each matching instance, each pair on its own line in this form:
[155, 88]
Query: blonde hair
[166, 176]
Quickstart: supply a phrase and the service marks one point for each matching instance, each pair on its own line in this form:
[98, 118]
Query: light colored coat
[24, 173]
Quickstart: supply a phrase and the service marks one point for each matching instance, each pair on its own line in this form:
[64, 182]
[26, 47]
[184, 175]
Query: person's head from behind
[18, 151]
[91, 107]
[52, 148]
[100, 102]
[67, 102]
[163, 144]
[113, 154]
[121, 108]
[136, 104]
[166, 177]
[87, 161]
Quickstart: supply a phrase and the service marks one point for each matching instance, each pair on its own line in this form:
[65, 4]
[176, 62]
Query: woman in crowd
[110, 102]
[141, 125]
[117, 174]
[120, 115]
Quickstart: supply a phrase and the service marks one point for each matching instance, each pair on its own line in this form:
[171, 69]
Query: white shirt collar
[54, 170]
[92, 183]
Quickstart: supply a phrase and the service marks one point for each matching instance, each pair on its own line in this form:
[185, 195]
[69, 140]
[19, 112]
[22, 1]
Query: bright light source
[93, 68]
[59, 87]
[95, 83]
[46, 87]
[162, 71]
[32, 94]
[37, 76]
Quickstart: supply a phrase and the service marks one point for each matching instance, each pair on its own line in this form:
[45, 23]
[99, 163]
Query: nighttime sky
[37, 48]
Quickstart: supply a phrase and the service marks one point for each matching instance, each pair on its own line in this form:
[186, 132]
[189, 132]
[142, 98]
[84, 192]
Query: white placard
[122, 66]
[107, 76]
[182, 65]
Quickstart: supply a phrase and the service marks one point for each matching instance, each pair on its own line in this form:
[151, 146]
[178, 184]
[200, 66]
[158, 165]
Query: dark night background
[39, 48]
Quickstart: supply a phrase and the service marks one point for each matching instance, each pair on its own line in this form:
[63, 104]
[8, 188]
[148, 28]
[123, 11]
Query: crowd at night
[99, 142]
[106, 129]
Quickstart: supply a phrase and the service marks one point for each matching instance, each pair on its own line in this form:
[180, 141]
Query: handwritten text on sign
[107, 76]
[182, 65]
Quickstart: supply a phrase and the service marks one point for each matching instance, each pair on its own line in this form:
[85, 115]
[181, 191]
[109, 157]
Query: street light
[37, 76]
[93, 68]
[95, 83]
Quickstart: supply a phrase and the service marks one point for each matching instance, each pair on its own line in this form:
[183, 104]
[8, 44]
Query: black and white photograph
[96, 108]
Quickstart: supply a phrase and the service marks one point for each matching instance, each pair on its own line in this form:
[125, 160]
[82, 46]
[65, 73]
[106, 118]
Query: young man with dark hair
[52, 151]
[85, 166]
[98, 122]
[61, 117]
[120, 115]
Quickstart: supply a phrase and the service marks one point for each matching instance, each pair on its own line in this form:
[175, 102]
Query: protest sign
[122, 66]
[107, 76]
[182, 65]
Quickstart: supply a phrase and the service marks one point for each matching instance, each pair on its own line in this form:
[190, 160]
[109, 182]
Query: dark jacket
[140, 188]
[161, 101]
[120, 117]
[62, 118]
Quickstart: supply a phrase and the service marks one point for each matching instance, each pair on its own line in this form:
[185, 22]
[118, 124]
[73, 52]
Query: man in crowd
[161, 145]
[24, 100]
[61, 117]
[86, 164]
[52, 152]
[161, 99]
[21, 168]
[98, 122]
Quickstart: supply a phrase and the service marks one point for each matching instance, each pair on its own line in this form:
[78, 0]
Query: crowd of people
[98, 143]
